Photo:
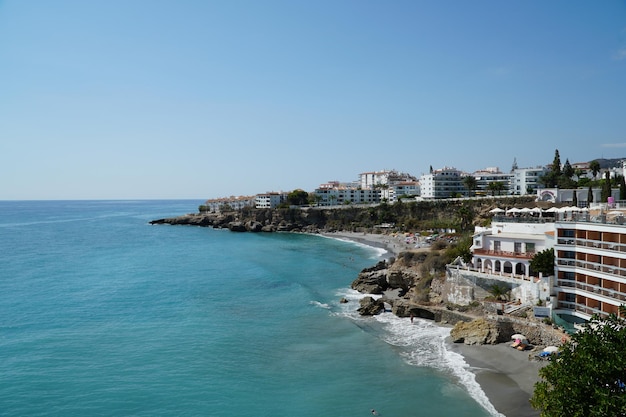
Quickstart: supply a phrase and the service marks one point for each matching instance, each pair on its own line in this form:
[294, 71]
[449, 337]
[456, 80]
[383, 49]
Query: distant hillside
[609, 163]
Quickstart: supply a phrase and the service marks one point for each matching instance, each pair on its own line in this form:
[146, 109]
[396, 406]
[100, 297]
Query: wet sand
[506, 375]
[392, 244]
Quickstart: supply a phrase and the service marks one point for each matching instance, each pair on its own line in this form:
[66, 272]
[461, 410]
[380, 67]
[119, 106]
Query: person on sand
[412, 318]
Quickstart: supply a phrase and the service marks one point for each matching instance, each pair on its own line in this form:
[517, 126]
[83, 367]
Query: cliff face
[461, 215]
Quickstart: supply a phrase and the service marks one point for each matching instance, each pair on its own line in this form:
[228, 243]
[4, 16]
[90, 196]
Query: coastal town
[542, 260]
[583, 228]
[444, 183]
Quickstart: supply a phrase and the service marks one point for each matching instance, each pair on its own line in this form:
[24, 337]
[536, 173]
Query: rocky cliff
[460, 215]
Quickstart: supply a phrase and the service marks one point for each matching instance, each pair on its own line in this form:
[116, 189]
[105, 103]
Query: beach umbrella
[518, 336]
[525, 210]
[551, 349]
[552, 210]
[496, 210]
[537, 210]
[513, 210]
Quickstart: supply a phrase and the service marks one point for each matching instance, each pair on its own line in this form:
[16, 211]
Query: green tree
[594, 166]
[589, 196]
[568, 171]
[549, 179]
[556, 164]
[298, 198]
[588, 378]
[470, 183]
[543, 262]
[495, 187]
[466, 215]
[575, 198]
[622, 188]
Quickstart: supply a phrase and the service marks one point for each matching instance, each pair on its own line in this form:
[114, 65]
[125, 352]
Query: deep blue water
[102, 314]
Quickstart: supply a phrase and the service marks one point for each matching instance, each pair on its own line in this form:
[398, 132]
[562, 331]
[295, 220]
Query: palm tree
[594, 166]
[496, 186]
[470, 183]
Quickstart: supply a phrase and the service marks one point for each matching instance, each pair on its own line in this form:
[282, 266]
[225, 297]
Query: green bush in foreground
[589, 377]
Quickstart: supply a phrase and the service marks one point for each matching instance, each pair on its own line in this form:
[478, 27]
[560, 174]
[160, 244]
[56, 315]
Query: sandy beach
[506, 375]
[392, 244]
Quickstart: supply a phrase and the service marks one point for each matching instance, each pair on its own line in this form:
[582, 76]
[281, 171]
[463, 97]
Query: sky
[150, 99]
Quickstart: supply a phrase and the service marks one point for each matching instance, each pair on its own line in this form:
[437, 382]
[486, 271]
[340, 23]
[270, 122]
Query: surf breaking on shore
[499, 378]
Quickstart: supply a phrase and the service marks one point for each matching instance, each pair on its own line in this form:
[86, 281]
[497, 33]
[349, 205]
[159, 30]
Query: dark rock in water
[373, 282]
[370, 307]
[237, 227]
[343, 300]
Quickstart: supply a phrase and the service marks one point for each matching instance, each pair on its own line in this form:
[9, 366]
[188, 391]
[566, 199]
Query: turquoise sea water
[102, 314]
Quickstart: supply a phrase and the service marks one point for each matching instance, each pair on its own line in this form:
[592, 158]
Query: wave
[320, 305]
[377, 251]
[421, 343]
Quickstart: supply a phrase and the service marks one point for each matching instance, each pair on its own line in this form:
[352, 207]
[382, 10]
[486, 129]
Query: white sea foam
[422, 343]
[377, 252]
[320, 305]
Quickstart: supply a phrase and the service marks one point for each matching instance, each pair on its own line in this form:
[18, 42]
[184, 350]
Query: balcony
[589, 243]
[590, 311]
[592, 267]
[593, 289]
[504, 254]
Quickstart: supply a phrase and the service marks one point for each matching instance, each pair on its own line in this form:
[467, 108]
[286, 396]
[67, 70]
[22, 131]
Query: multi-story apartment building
[590, 252]
[270, 200]
[526, 180]
[442, 183]
[487, 176]
[339, 194]
[590, 261]
[383, 178]
[394, 191]
[231, 203]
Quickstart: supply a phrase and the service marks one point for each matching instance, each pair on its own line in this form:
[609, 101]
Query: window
[496, 245]
[517, 247]
[530, 248]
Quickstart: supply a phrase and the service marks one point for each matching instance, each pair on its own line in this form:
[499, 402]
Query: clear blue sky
[204, 99]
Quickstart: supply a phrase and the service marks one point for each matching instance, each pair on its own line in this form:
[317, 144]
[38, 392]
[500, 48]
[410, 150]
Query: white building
[442, 183]
[383, 178]
[270, 200]
[487, 176]
[526, 180]
[333, 196]
[506, 247]
[396, 190]
[230, 203]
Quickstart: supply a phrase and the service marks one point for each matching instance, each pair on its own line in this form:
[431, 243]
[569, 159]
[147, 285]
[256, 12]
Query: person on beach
[411, 318]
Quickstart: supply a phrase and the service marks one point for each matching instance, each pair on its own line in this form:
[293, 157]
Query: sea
[103, 314]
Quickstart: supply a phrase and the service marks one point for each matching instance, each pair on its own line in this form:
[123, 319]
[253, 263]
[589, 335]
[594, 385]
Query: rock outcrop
[370, 307]
[477, 332]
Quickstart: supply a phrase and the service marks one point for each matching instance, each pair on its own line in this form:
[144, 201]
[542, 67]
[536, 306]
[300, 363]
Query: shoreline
[392, 244]
[506, 376]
